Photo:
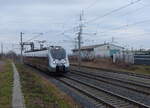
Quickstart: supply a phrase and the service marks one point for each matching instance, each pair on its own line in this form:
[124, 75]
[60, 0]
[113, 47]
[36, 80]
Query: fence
[142, 59]
[124, 57]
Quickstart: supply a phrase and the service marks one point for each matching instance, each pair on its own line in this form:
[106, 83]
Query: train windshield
[58, 53]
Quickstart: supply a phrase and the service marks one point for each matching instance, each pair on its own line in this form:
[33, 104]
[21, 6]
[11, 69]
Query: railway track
[85, 91]
[131, 92]
[134, 86]
[106, 99]
[119, 76]
[116, 71]
[85, 84]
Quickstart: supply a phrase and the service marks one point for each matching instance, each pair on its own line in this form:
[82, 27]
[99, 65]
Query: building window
[108, 47]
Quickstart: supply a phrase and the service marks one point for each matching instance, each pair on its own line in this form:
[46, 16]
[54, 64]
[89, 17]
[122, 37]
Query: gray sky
[53, 17]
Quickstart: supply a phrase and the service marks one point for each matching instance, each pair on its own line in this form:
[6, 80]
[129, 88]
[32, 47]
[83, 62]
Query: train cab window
[58, 53]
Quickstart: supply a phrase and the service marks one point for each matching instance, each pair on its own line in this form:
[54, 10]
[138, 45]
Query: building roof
[91, 47]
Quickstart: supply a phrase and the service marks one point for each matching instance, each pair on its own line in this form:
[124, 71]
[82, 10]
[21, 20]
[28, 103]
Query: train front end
[58, 60]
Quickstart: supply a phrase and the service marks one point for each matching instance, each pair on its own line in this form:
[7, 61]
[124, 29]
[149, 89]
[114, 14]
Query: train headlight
[54, 62]
[64, 61]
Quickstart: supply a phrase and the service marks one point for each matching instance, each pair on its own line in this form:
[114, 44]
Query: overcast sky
[53, 17]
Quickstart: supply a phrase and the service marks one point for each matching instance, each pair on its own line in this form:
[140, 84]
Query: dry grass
[40, 93]
[6, 82]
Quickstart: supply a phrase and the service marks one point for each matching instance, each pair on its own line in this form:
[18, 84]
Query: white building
[101, 50]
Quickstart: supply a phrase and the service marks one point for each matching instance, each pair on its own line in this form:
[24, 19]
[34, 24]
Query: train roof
[35, 50]
[43, 49]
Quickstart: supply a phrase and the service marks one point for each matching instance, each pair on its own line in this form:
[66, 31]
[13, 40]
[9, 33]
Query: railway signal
[22, 44]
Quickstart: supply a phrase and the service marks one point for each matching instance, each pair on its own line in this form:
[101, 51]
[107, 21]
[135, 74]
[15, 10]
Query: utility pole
[2, 49]
[79, 40]
[112, 40]
[75, 43]
[21, 44]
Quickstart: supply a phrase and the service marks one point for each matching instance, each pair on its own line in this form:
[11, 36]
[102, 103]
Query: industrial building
[101, 50]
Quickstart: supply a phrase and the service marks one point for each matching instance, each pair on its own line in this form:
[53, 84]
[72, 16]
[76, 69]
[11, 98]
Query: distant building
[142, 52]
[101, 50]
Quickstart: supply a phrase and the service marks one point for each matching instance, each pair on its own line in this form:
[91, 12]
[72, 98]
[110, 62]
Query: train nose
[60, 68]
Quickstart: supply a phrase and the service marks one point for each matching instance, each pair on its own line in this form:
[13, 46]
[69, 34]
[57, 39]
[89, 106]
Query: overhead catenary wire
[131, 35]
[42, 33]
[109, 13]
[71, 29]
[34, 37]
[65, 31]
[113, 11]
[127, 25]
[91, 5]
[125, 6]
[135, 10]
[76, 27]
[124, 35]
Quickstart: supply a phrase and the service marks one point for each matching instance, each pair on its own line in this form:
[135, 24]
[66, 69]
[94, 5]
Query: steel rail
[140, 105]
[116, 71]
[85, 92]
[113, 82]
[142, 84]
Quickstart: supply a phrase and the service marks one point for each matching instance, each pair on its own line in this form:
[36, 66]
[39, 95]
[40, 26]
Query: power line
[68, 36]
[113, 11]
[129, 34]
[91, 5]
[135, 10]
[35, 37]
[63, 32]
[127, 25]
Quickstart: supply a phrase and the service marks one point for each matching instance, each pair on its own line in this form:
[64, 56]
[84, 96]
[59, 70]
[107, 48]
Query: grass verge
[40, 93]
[142, 69]
[6, 82]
